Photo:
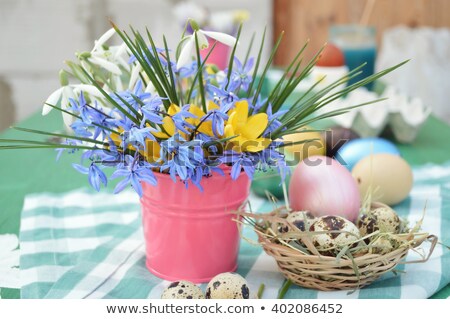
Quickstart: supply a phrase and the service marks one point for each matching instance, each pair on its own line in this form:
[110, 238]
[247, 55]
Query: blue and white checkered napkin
[85, 245]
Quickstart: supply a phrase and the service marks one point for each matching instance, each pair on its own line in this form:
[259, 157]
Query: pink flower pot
[219, 56]
[189, 234]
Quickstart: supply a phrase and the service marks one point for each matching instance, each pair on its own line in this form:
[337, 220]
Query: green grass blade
[170, 89]
[17, 147]
[258, 60]
[191, 90]
[144, 64]
[200, 75]
[233, 52]
[268, 64]
[112, 101]
[79, 117]
[284, 289]
[249, 49]
[286, 73]
[170, 70]
[72, 137]
[8, 140]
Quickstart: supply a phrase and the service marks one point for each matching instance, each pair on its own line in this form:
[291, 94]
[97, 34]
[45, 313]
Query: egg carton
[403, 115]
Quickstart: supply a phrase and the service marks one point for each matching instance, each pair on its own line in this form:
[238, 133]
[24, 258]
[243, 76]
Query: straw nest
[351, 267]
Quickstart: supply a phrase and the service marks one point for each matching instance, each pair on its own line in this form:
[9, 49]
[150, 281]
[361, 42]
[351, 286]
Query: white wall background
[36, 36]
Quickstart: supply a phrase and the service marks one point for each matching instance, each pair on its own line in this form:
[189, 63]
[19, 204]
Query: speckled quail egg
[301, 219]
[383, 245]
[333, 231]
[227, 286]
[381, 218]
[182, 290]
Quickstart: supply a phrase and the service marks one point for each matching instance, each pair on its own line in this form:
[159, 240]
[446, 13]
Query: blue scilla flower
[82, 107]
[188, 70]
[239, 161]
[135, 98]
[81, 128]
[95, 175]
[139, 135]
[179, 119]
[260, 102]
[181, 157]
[240, 77]
[101, 122]
[111, 157]
[125, 123]
[224, 97]
[133, 172]
[270, 158]
[274, 123]
[152, 109]
[68, 141]
[218, 118]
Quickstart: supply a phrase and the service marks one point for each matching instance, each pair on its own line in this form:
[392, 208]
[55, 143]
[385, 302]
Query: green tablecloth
[31, 171]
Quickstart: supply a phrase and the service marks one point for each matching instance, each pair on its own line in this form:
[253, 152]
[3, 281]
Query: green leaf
[284, 289]
[200, 74]
[79, 117]
[170, 70]
[171, 89]
[84, 139]
[268, 64]
[112, 101]
[274, 93]
[77, 72]
[146, 67]
[18, 147]
[261, 291]
[295, 80]
[199, 70]
[249, 49]
[233, 52]
[258, 60]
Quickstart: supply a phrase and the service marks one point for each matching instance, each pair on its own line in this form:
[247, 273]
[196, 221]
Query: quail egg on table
[182, 290]
[333, 231]
[382, 218]
[227, 286]
[301, 219]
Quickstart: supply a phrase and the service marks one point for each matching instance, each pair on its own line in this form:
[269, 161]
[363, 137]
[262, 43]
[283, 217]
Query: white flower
[136, 70]
[102, 40]
[188, 50]
[108, 59]
[65, 93]
[9, 261]
[101, 60]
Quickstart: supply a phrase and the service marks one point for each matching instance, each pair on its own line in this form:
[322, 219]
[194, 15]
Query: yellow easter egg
[298, 152]
[387, 177]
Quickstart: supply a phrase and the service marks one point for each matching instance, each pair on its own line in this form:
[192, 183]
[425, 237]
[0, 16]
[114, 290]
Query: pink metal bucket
[219, 56]
[189, 234]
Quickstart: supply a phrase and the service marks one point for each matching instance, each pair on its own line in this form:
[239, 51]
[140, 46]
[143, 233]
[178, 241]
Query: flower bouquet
[184, 134]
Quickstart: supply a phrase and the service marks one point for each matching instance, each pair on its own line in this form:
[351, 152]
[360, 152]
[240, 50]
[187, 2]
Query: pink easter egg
[323, 186]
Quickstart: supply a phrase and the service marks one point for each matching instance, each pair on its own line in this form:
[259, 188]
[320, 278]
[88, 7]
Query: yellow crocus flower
[152, 148]
[152, 151]
[247, 128]
[168, 125]
[206, 126]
